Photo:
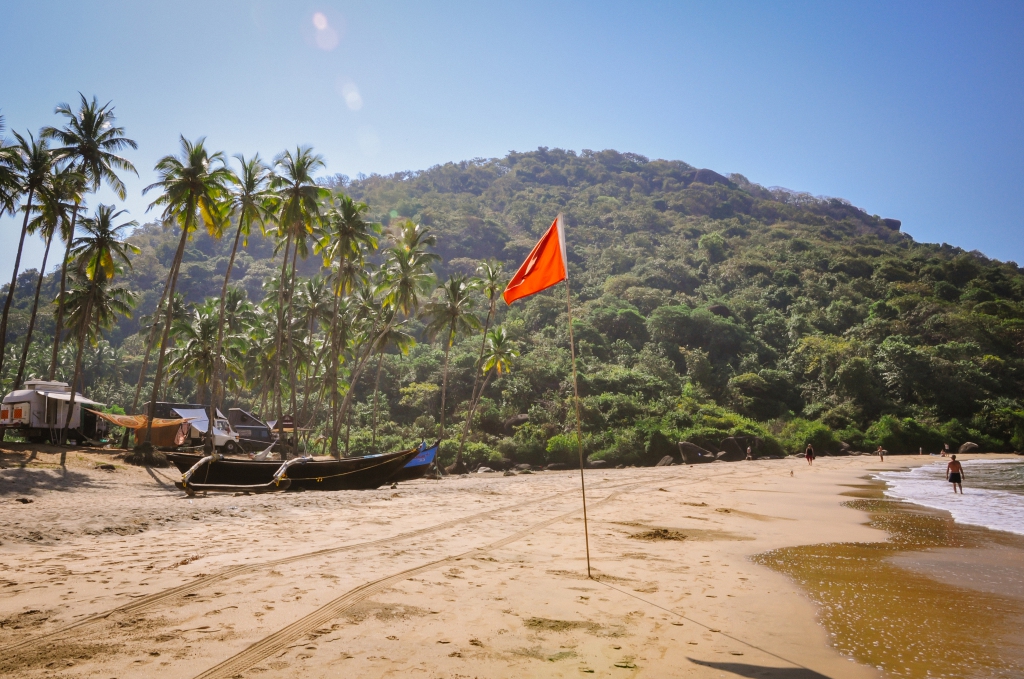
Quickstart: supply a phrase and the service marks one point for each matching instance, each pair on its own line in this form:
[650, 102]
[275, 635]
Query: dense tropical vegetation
[704, 306]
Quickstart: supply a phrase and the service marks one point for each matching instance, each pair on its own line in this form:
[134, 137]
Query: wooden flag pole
[579, 430]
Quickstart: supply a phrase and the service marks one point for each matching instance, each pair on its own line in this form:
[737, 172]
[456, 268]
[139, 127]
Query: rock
[484, 470]
[24, 500]
[509, 473]
[556, 466]
[659, 445]
[521, 467]
[106, 467]
[732, 451]
[892, 224]
[620, 466]
[515, 421]
[665, 461]
[525, 471]
[597, 464]
[694, 454]
[968, 447]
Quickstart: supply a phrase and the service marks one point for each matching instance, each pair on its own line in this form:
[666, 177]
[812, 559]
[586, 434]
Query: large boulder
[515, 421]
[665, 461]
[968, 447]
[734, 449]
[694, 454]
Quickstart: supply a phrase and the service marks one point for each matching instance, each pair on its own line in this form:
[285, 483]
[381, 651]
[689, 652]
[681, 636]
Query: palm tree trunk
[476, 381]
[14, 280]
[32, 318]
[208, 447]
[469, 417]
[59, 327]
[74, 379]
[293, 371]
[276, 375]
[165, 334]
[332, 374]
[149, 349]
[376, 390]
[444, 378]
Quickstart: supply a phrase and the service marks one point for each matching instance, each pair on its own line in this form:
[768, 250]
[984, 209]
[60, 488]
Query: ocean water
[993, 492]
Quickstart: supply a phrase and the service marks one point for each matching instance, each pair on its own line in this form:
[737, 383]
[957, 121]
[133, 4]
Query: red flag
[544, 266]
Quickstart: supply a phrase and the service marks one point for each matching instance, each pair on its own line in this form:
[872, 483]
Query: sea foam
[993, 492]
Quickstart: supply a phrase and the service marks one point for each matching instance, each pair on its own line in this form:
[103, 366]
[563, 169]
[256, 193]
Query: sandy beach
[114, 573]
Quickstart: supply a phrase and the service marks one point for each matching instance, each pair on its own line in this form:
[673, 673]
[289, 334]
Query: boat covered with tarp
[419, 466]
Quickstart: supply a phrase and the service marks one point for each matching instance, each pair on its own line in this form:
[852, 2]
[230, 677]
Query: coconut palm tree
[56, 197]
[10, 180]
[499, 354]
[34, 160]
[298, 213]
[346, 238]
[195, 352]
[192, 188]
[451, 315]
[250, 201]
[393, 336]
[89, 143]
[491, 282]
[99, 253]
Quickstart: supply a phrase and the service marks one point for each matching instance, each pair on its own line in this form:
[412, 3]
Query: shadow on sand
[21, 481]
[761, 671]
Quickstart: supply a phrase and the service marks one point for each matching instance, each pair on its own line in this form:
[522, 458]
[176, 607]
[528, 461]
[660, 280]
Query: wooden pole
[579, 430]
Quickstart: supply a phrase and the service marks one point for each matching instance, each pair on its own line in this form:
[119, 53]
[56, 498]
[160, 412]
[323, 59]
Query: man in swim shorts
[954, 473]
[809, 454]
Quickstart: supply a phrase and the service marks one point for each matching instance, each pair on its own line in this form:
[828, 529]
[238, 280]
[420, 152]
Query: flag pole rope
[579, 430]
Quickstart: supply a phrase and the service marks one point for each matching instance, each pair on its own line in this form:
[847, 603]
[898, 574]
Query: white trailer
[38, 411]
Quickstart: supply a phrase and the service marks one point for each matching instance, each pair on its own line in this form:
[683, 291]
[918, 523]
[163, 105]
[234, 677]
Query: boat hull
[348, 473]
[418, 466]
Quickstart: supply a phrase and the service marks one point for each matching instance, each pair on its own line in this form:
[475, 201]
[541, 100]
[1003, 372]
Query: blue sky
[909, 110]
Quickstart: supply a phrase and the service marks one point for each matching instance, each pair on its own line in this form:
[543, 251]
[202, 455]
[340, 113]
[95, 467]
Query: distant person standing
[750, 453]
[809, 454]
[955, 474]
[945, 450]
[881, 454]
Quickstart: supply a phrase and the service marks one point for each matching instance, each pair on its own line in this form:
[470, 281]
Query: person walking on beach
[809, 454]
[881, 454]
[954, 474]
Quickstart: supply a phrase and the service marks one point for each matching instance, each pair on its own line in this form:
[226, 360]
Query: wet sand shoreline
[477, 576]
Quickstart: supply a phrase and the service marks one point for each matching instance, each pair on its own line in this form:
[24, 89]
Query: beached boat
[418, 466]
[306, 473]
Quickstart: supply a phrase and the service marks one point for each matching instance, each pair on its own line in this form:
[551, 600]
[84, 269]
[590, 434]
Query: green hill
[705, 306]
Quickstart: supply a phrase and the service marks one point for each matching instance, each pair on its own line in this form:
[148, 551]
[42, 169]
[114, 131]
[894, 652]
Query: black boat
[418, 466]
[306, 473]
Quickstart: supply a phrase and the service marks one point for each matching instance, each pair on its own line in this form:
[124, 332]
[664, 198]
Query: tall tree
[394, 336]
[299, 199]
[196, 353]
[10, 180]
[99, 253]
[492, 283]
[56, 197]
[450, 316]
[346, 237]
[250, 201]
[90, 142]
[33, 159]
[192, 188]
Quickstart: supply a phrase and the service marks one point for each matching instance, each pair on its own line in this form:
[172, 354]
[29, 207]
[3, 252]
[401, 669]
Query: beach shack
[38, 412]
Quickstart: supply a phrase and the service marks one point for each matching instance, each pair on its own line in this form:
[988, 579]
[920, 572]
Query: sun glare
[320, 21]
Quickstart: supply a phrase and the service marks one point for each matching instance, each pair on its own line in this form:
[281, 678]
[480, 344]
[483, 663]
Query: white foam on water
[993, 494]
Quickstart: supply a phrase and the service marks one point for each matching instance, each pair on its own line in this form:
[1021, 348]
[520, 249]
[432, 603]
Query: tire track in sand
[284, 637]
[157, 598]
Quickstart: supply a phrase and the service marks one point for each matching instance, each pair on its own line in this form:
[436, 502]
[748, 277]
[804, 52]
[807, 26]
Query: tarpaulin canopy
[137, 421]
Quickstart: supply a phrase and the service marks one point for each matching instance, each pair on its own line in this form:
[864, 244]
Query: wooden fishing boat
[418, 466]
[306, 473]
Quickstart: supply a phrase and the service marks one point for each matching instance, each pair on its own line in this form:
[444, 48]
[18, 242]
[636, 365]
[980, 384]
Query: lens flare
[320, 21]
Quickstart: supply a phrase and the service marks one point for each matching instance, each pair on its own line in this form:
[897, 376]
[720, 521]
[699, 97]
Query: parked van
[38, 412]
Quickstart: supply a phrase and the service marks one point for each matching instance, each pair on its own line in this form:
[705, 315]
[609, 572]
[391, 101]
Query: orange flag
[544, 266]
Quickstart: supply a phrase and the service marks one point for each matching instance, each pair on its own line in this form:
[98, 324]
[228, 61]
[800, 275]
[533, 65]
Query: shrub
[799, 432]
[563, 448]
[902, 436]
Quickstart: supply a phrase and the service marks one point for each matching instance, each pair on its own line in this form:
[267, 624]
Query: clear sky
[909, 110]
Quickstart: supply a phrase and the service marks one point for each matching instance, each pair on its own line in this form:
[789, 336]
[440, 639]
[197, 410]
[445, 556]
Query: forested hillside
[704, 306]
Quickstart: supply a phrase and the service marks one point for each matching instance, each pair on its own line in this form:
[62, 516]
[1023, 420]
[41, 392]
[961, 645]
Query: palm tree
[451, 315]
[90, 141]
[491, 282]
[346, 238]
[56, 194]
[499, 354]
[393, 335]
[192, 188]
[299, 199]
[250, 201]
[196, 354]
[33, 159]
[10, 180]
[100, 253]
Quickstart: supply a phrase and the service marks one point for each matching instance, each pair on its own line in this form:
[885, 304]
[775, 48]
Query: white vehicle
[38, 412]
[224, 437]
